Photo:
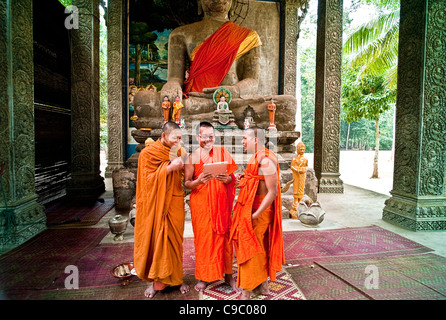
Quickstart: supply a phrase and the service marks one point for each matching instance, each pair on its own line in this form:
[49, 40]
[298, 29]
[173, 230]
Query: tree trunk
[348, 133]
[375, 159]
[138, 65]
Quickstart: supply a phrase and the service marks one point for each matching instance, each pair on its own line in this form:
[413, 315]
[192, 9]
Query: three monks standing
[254, 229]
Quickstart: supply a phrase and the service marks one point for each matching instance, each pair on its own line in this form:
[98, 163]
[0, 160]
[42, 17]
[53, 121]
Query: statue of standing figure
[271, 113]
[176, 113]
[299, 166]
[166, 109]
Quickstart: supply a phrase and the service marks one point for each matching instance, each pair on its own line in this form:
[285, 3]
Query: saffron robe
[159, 222]
[269, 240]
[211, 207]
[212, 59]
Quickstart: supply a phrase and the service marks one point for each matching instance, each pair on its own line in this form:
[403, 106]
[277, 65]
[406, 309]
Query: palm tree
[373, 46]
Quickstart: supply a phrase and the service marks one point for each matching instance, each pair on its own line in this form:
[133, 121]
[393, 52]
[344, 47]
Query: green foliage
[373, 45]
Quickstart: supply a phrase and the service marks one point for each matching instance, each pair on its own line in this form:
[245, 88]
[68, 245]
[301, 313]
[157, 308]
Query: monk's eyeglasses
[206, 137]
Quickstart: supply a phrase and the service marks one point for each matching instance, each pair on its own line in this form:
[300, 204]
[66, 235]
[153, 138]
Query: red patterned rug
[37, 263]
[283, 288]
[412, 277]
[70, 214]
[303, 247]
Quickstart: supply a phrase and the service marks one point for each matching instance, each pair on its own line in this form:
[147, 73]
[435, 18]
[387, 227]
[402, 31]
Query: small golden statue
[271, 114]
[166, 109]
[299, 166]
[177, 106]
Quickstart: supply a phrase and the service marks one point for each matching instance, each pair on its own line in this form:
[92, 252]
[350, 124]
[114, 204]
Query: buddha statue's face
[216, 6]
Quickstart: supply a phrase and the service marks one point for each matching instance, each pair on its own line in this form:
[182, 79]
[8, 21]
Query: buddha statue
[220, 53]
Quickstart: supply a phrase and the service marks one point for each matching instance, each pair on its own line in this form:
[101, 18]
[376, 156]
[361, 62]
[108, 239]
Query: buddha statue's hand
[171, 89]
[235, 91]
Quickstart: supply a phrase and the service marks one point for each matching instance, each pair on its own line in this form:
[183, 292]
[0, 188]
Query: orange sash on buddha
[159, 223]
[213, 58]
[211, 208]
[242, 233]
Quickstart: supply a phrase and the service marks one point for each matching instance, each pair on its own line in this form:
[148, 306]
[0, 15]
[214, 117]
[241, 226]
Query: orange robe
[258, 243]
[212, 59]
[159, 223]
[211, 208]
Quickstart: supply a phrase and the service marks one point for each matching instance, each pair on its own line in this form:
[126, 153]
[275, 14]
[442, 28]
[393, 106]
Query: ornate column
[289, 27]
[86, 181]
[116, 86]
[22, 217]
[418, 199]
[328, 96]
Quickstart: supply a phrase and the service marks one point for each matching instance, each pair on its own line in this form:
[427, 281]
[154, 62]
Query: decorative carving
[17, 124]
[328, 93]
[418, 197]
[85, 179]
[115, 122]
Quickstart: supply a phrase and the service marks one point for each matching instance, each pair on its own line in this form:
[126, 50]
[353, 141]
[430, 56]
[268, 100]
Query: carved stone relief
[17, 124]
[328, 96]
[418, 197]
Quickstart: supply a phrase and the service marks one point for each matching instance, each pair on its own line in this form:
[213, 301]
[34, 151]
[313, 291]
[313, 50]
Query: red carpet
[412, 277]
[69, 214]
[41, 260]
[303, 247]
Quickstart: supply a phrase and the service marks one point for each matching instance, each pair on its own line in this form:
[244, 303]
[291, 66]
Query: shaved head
[258, 133]
[169, 126]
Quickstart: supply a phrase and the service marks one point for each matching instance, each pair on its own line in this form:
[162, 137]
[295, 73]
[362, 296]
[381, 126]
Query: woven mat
[283, 288]
[69, 214]
[37, 263]
[412, 277]
[303, 247]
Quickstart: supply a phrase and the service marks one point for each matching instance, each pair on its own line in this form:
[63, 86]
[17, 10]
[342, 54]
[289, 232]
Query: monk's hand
[239, 176]
[255, 215]
[204, 178]
[224, 177]
[175, 165]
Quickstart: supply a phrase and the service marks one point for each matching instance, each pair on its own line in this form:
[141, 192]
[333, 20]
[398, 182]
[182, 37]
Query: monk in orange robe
[211, 202]
[159, 223]
[257, 219]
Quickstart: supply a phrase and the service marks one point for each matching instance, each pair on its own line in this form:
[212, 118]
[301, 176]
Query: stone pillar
[328, 96]
[22, 217]
[86, 182]
[418, 199]
[116, 86]
[289, 27]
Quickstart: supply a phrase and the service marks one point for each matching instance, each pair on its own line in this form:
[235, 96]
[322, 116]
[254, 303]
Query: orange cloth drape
[246, 242]
[159, 223]
[211, 208]
[214, 57]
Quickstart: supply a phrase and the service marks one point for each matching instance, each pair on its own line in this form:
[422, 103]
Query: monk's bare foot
[232, 283]
[245, 295]
[262, 288]
[201, 285]
[150, 292]
[184, 288]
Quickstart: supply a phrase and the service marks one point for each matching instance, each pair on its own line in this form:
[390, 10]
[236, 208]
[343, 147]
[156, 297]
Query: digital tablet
[215, 168]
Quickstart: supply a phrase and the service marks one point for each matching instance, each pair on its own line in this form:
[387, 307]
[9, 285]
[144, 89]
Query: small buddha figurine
[299, 166]
[166, 109]
[222, 105]
[177, 106]
[271, 113]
